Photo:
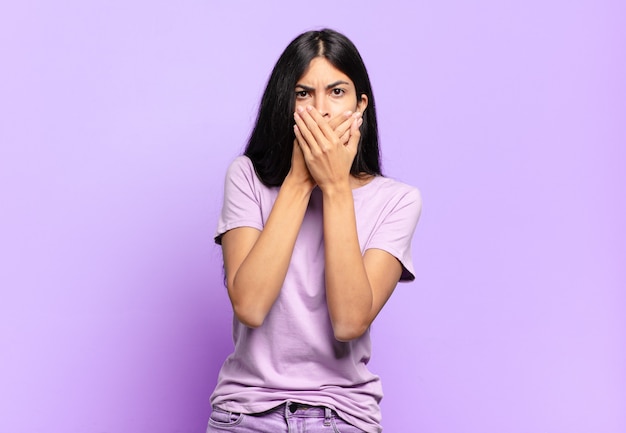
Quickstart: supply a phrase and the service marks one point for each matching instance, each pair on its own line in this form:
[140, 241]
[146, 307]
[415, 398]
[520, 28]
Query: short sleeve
[241, 207]
[395, 232]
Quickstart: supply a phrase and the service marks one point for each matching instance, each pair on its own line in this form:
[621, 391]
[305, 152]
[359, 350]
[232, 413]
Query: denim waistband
[299, 410]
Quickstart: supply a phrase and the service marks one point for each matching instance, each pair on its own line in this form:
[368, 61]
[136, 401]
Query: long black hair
[270, 145]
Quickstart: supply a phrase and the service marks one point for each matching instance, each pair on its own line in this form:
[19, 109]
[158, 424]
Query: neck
[361, 180]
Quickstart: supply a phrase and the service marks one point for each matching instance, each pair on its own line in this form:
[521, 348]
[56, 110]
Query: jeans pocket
[223, 419]
[341, 426]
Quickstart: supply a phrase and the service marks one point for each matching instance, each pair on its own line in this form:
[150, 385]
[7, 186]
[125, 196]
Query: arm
[256, 262]
[357, 286]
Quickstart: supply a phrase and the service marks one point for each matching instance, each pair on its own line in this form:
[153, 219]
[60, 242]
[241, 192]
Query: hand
[326, 156]
[341, 124]
[299, 173]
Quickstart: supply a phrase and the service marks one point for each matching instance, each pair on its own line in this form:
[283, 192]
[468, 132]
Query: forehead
[321, 71]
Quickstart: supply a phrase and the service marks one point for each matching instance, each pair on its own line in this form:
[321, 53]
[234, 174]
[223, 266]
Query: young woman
[314, 241]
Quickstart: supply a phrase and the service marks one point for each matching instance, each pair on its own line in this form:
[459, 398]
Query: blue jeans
[286, 418]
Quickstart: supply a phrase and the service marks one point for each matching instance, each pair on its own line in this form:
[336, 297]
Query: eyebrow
[330, 86]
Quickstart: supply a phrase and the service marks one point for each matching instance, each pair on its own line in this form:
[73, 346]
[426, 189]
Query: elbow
[248, 315]
[345, 332]
[246, 311]
[250, 305]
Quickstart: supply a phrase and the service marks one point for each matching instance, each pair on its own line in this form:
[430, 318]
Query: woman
[314, 241]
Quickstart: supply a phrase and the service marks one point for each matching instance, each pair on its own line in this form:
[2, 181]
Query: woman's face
[328, 89]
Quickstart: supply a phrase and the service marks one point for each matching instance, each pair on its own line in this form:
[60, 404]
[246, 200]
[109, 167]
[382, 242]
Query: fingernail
[309, 108]
[358, 114]
[347, 113]
[300, 109]
[360, 122]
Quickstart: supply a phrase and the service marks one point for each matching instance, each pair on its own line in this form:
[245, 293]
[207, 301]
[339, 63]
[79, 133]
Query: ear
[362, 104]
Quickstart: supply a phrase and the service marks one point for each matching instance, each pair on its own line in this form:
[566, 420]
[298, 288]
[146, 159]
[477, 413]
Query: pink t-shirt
[294, 355]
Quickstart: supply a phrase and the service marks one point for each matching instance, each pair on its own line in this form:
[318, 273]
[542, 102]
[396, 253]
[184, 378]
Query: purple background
[118, 119]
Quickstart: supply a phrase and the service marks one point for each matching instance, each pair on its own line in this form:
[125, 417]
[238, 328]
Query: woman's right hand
[299, 172]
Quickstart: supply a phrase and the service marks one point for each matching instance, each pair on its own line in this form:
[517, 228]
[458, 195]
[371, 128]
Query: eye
[301, 94]
[337, 91]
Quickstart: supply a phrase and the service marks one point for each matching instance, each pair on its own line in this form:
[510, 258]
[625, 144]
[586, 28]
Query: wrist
[336, 190]
[300, 187]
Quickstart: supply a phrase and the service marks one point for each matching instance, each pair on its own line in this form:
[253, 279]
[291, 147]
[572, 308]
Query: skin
[327, 121]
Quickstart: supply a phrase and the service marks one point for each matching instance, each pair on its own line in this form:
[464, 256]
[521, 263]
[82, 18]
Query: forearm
[348, 290]
[255, 285]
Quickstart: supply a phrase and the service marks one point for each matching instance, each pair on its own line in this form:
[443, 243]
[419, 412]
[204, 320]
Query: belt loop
[327, 415]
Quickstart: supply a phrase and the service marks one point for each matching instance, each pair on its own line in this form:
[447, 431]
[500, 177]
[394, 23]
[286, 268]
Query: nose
[321, 104]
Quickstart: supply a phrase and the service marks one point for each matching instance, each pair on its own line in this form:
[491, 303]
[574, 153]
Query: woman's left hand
[328, 159]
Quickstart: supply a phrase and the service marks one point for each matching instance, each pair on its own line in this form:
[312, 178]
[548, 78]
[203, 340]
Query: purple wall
[117, 120]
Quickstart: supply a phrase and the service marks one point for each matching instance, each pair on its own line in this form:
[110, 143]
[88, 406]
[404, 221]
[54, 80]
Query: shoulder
[241, 172]
[241, 165]
[400, 188]
[390, 192]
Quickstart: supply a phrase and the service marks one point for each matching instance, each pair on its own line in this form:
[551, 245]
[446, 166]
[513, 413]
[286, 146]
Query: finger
[301, 142]
[315, 138]
[303, 133]
[338, 120]
[355, 135]
[318, 126]
[344, 127]
[345, 137]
